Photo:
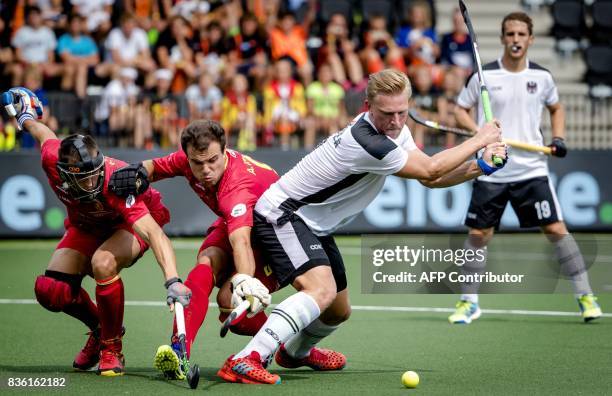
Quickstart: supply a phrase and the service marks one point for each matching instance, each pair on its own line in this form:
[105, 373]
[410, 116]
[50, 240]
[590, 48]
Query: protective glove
[246, 287]
[129, 180]
[22, 104]
[558, 147]
[177, 291]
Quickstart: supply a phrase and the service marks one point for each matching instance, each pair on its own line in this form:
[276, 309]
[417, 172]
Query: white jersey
[338, 180]
[517, 101]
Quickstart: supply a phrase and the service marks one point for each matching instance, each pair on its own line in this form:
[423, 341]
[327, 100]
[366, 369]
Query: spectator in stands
[288, 41]
[148, 13]
[339, 52]
[6, 52]
[174, 51]
[97, 12]
[417, 38]
[204, 99]
[250, 49]
[424, 98]
[379, 49]
[128, 47]
[114, 115]
[53, 14]
[454, 78]
[79, 54]
[238, 114]
[456, 46]
[164, 111]
[213, 49]
[325, 106]
[284, 103]
[34, 46]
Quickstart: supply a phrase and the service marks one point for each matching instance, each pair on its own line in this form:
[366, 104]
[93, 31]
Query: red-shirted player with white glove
[230, 184]
[104, 234]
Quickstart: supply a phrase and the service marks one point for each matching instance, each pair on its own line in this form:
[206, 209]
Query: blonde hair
[387, 82]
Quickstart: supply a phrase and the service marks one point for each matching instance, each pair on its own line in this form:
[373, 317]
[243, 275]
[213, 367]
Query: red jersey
[243, 182]
[107, 211]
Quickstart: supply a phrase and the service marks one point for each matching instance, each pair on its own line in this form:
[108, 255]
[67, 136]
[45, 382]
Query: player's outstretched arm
[39, 131]
[471, 169]
[423, 167]
[153, 234]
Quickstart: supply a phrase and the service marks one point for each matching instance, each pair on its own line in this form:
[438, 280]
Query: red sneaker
[90, 354]
[319, 359]
[247, 370]
[112, 361]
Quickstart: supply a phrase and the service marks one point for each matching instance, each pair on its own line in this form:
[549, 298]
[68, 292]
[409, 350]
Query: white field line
[373, 308]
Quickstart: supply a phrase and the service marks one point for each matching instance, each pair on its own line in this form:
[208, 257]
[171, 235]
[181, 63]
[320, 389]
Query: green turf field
[501, 353]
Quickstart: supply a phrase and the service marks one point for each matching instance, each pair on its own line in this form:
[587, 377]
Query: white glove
[246, 287]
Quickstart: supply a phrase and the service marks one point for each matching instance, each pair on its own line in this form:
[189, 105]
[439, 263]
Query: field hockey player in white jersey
[519, 90]
[295, 217]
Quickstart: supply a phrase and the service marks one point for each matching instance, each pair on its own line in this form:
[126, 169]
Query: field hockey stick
[484, 92]
[193, 372]
[463, 132]
[234, 317]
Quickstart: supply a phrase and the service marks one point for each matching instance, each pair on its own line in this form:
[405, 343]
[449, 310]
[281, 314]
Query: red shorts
[217, 236]
[87, 243]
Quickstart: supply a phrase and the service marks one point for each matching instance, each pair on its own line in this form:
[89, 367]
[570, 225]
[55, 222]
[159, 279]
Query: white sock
[286, 320]
[473, 298]
[299, 346]
[572, 265]
[474, 266]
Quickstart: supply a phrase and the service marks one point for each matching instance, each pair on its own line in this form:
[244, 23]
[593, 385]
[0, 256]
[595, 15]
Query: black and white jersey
[517, 101]
[337, 180]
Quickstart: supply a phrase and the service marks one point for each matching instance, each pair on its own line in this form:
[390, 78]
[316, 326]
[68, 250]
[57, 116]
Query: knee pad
[55, 290]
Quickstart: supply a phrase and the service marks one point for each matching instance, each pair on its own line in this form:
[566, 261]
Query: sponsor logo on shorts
[471, 215]
[316, 247]
[239, 210]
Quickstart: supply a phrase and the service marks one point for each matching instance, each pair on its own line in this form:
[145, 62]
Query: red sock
[84, 310]
[110, 299]
[200, 281]
[249, 326]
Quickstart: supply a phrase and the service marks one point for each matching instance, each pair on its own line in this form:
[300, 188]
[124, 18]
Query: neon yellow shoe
[589, 307]
[466, 312]
[167, 361]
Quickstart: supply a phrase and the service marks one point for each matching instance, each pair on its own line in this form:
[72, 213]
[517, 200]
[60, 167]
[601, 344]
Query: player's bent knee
[104, 264]
[53, 294]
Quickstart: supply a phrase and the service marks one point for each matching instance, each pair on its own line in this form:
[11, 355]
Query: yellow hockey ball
[410, 379]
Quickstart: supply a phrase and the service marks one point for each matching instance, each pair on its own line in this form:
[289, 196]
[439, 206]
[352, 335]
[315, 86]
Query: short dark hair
[68, 153]
[33, 9]
[199, 134]
[517, 16]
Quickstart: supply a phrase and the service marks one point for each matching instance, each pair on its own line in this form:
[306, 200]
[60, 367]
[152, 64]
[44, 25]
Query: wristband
[172, 281]
[485, 168]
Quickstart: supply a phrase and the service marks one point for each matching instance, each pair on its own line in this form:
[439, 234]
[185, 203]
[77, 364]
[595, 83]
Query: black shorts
[533, 200]
[292, 248]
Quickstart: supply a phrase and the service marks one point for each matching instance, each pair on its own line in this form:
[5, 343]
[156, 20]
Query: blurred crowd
[280, 73]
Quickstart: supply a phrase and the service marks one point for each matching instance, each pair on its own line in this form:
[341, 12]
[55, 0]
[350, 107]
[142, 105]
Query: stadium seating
[569, 24]
[598, 59]
[601, 31]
